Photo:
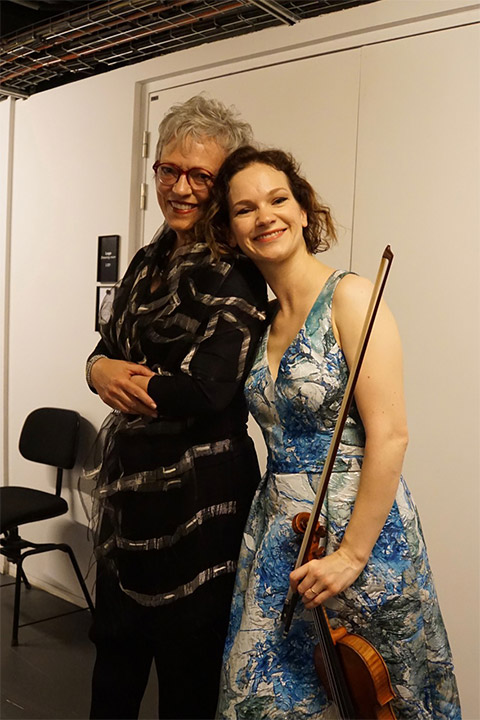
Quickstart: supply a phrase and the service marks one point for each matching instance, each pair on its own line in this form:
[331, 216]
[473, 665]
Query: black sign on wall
[107, 264]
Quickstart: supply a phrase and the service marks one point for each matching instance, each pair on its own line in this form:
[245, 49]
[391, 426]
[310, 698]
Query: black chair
[49, 436]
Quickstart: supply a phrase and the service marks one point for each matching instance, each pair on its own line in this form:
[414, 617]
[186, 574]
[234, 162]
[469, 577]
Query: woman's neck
[296, 281]
[182, 239]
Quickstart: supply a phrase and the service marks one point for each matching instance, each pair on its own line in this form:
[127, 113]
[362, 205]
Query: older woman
[176, 470]
[375, 577]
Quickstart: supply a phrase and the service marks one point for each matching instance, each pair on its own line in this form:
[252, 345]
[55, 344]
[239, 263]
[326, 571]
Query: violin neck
[335, 677]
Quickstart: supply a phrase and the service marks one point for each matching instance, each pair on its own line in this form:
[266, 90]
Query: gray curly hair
[201, 117]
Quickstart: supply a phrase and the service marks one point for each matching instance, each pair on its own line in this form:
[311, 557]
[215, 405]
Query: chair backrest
[50, 436]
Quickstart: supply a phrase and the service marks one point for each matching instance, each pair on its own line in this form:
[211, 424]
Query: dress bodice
[297, 412]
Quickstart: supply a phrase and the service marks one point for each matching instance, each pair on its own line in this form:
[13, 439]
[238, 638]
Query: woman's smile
[182, 207]
[271, 235]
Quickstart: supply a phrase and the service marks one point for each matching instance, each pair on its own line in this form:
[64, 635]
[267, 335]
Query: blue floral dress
[393, 602]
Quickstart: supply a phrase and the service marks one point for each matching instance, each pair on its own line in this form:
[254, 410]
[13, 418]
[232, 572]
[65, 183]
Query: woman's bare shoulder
[352, 291]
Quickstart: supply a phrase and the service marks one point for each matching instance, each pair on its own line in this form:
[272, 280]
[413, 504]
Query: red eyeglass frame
[157, 164]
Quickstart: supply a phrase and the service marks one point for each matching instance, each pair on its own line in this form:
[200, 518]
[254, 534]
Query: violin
[350, 669]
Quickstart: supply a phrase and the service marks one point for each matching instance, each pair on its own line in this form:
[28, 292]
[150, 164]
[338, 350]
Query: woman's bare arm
[380, 402]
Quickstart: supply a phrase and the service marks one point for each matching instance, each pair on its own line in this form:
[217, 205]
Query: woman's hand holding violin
[318, 580]
[123, 385]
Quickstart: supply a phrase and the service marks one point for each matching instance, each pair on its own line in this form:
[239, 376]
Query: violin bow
[377, 292]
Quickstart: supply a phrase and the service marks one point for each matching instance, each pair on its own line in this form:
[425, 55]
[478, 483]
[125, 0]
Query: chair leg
[25, 579]
[20, 576]
[16, 607]
[68, 549]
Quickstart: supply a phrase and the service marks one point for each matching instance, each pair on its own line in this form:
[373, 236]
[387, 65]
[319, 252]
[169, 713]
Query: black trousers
[185, 640]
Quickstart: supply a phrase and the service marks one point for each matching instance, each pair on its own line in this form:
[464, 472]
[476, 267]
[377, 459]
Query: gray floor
[48, 674]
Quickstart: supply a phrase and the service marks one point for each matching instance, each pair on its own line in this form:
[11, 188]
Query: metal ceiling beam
[7, 92]
[272, 7]
[27, 3]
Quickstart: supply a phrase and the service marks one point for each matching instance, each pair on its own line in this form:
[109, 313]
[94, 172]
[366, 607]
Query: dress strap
[331, 284]
[322, 307]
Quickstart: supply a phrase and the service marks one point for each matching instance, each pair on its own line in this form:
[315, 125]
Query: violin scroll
[299, 525]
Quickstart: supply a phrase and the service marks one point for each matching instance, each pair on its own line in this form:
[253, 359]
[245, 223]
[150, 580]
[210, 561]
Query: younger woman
[375, 577]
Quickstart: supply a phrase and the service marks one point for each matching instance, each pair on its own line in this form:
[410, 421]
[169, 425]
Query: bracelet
[88, 369]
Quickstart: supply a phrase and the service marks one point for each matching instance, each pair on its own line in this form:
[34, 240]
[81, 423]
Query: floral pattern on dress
[393, 603]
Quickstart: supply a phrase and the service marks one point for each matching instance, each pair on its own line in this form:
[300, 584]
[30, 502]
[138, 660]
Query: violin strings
[327, 647]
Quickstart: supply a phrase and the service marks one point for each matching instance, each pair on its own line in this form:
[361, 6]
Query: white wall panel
[418, 187]
[6, 118]
[71, 184]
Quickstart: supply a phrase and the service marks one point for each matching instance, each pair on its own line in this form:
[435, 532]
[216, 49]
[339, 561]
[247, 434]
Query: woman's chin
[182, 224]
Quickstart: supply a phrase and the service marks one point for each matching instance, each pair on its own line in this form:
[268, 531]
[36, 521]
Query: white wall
[75, 158]
[71, 184]
[7, 114]
[418, 185]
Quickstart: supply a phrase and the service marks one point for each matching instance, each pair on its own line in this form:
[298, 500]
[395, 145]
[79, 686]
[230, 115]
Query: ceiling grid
[107, 34]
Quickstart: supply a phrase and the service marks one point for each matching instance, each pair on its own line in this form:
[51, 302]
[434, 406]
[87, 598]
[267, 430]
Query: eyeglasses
[168, 174]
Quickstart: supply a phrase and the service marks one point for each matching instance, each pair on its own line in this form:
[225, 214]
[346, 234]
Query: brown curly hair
[214, 227]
